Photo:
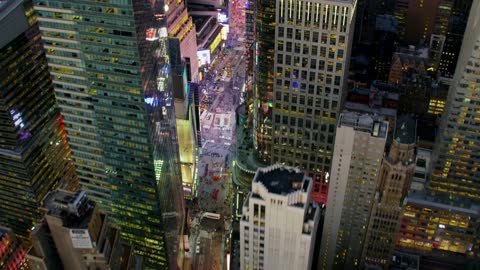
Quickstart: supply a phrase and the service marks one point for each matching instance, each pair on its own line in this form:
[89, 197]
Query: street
[221, 90]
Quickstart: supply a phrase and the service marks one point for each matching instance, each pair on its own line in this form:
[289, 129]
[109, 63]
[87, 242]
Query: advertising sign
[203, 57]
[80, 238]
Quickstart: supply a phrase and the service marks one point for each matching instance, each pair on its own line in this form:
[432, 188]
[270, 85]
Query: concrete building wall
[356, 163]
[273, 232]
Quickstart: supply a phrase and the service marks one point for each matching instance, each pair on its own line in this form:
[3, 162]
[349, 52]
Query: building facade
[394, 181]
[302, 58]
[181, 26]
[419, 19]
[279, 222]
[12, 255]
[456, 174]
[82, 234]
[439, 232]
[111, 71]
[34, 154]
[359, 147]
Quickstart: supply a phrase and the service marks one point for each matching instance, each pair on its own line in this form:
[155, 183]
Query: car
[197, 249]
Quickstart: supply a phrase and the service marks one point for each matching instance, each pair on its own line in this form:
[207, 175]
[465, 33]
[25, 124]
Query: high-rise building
[385, 43]
[419, 19]
[82, 234]
[456, 174]
[181, 26]
[279, 222]
[302, 60]
[454, 37]
[445, 236]
[12, 255]
[34, 154]
[394, 181]
[359, 147]
[111, 71]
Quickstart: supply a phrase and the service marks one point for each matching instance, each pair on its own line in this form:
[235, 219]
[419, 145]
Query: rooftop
[365, 122]
[405, 129]
[374, 110]
[439, 202]
[74, 209]
[280, 179]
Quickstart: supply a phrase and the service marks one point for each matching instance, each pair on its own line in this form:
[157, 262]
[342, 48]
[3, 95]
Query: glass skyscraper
[110, 67]
[456, 172]
[34, 154]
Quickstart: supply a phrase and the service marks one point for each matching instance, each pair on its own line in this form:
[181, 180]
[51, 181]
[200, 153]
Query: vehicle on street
[211, 215]
[197, 250]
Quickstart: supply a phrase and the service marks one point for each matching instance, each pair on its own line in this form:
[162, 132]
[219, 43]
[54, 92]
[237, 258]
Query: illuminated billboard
[222, 18]
[151, 34]
[215, 42]
[203, 57]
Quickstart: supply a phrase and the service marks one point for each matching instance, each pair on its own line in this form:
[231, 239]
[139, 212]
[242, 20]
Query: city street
[221, 90]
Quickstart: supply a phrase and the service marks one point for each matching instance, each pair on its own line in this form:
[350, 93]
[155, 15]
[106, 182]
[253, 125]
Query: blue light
[295, 84]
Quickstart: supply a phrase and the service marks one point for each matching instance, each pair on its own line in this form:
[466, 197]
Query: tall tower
[181, 26]
[394, 181]
[111, 72]
[34, 154]
[303, 55]
[359, 146]
[456, 170]
[279, 222]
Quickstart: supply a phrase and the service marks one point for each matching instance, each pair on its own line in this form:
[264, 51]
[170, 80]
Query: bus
[211, 215]
[186, 244]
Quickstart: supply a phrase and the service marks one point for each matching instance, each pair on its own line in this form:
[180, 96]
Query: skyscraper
[395, 177]
[419, 19]
[456, 170]
[34, 154]
[181, 26]
[12, 255]
[302, 59]
[111, 72]
[359, 146]
[279, 222]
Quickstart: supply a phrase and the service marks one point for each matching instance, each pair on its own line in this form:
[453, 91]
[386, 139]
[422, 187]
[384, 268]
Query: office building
[181, 27]
[82, 234]
[34, 154]
[359, 147]
[419, 19]
[279, 222]
[12, 255]
[394, 181]
[454, 37]
[111, 72]
[385, 42]
[302, 58]
[456, 174]
[443, 235]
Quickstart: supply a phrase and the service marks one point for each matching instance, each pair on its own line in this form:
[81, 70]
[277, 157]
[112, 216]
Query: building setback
[394, 181]
[359, 146]
[111, 71]
[34, 154]
[279, 222]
